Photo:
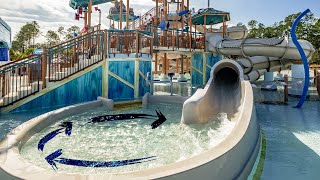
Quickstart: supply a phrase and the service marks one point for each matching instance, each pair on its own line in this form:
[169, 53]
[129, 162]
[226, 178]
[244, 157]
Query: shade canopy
[74, 4]
[211, 15]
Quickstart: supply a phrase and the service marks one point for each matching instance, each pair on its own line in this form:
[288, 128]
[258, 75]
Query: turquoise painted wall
[197, 63]
[116, 89]
[144, 67]
[125, 69]
[82, 89]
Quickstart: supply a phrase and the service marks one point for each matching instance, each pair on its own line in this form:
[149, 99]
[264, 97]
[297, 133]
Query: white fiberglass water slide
[259, 55]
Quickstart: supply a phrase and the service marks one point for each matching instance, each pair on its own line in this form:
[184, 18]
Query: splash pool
[129, 139]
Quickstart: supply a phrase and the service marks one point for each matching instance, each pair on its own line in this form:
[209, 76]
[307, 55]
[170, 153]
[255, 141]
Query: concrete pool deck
[293, 149]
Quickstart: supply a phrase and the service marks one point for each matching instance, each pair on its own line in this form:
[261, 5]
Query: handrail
[20, 80]
[18, 60]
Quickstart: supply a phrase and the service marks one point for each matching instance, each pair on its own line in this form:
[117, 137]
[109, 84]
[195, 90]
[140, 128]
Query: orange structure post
[121, 2]
[127, 17]
[182, 66]
[90, 13]
[44, 68]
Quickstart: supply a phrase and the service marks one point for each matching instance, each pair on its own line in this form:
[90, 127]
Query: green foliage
[52, 38]
[70, 32]
[308, 29]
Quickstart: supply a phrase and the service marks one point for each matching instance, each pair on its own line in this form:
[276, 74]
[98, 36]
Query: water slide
[229, 85]
[259, 55]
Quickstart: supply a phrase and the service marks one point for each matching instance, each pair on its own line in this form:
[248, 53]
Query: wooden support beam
[177, 65]
[157, 13]
[181, 64]
[85, 19]
[121, 12]
[187, 65]
[128, 13]
[165, 66]
[89, 13]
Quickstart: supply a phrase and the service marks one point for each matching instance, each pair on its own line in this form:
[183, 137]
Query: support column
[268, 81]
[127, 17]
[89, 13]
[181, 77]
[157, 13]
[121, 12]
[164, 75]
[297, 81]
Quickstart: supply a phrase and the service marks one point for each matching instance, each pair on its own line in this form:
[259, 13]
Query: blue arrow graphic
[48, 137]
[53, 158]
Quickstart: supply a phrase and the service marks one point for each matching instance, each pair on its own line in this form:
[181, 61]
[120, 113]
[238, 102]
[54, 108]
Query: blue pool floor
[293, 138]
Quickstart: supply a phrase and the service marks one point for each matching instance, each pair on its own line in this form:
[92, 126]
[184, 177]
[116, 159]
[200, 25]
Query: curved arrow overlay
[53, 158]
[117, 117]
[48, 137]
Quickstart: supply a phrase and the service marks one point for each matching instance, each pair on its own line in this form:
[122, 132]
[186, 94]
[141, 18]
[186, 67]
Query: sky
[55, 13]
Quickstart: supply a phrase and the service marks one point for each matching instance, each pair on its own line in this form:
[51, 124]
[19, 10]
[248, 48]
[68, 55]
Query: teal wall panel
[123, 69]
[197, 62]
[82, 89]
[117, 89]
[144, 67]
[212, 59]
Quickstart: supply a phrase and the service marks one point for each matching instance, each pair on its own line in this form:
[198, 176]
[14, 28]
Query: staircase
[145, 18]
[29, 76]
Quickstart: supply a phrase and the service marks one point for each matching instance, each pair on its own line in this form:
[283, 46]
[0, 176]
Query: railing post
[137, 44]
[286, 91]
[44, 68]
[105, 45]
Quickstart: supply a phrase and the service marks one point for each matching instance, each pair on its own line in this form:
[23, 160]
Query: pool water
[129, 139]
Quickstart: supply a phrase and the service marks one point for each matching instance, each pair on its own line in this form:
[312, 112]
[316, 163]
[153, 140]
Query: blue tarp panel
[183, 12]
[4, 55]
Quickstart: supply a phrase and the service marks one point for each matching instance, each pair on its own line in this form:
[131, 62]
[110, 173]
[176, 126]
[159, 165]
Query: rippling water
[120, 140]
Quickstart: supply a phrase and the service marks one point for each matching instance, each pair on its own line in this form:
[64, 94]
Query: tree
[308, 29]
[61, 32]
[52, 38]
[71, 31]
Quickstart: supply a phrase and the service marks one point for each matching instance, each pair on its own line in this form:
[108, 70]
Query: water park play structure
[115, 65]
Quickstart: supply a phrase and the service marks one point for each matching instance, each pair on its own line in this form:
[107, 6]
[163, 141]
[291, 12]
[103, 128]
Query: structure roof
[84, 3]
[212, 16]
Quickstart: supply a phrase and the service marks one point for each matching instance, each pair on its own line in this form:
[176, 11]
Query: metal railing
[20, 79]
[75, 55]
[177, 39]
[129, 42]
[145, 19]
